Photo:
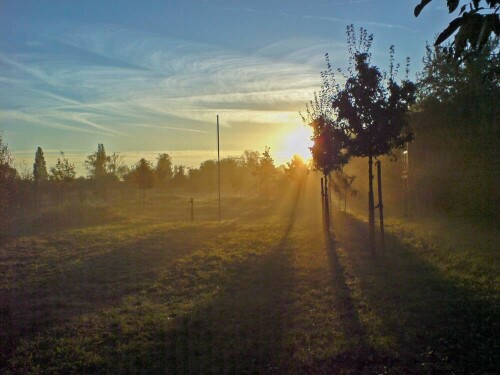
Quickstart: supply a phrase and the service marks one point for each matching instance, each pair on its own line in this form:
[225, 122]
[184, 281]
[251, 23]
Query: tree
[62, 173]
[342, 184]
[330, 138]
[460, 88]
[96, 163]
[372, 108]
[142, 176]
[477, 20]
[39, 172]
[163, 170]
[179, 178]
[266, 171]
[115, 167]
[8, 183]
[295, 169]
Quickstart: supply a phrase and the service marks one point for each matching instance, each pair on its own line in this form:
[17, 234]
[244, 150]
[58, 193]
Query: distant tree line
[108, 178]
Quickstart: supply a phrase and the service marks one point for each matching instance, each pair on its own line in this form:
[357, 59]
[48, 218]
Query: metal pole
[218, 162]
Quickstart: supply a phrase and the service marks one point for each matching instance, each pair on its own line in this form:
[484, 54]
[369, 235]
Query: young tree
[373, 109]
[163, 170]
[39, 172]
[342, 184]
[330, 138]
[62, 173]
[142, 176]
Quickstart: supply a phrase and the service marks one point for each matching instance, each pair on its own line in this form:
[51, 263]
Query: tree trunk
[327, 206]
[371, 206]
[35, 186]
[345, 202]
[381, 206]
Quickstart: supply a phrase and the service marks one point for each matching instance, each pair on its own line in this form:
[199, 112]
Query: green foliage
[101, 166]
[63, 172]
[266, 172]
[477, 20]
[142, 175]
[8, 183]
[296, 169]
[342, 185]
[370, 107]
[463, 89]
[163, 170]
[96, 163]
[39, 167]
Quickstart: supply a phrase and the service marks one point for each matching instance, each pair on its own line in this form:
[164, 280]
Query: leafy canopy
[477, 20]
[371, 106]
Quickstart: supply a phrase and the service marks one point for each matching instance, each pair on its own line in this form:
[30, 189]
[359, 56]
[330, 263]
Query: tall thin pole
[218, 162]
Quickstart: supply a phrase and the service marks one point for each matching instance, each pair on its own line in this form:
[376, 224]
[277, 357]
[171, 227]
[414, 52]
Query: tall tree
[8, 185]
[163, 170]
[477, 20]
[96, 163]
[142, 176]
[295, 169]
[62, 173]
[266, 171]
[373, 109]
[39, 172]
[115, 167]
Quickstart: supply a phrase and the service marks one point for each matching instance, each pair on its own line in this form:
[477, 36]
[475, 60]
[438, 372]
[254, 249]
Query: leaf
[420, 6]
[452, 27]
[463, 9]
[452, 5]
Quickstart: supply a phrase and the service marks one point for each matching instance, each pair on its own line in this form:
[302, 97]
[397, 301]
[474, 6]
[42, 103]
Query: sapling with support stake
[380, 205]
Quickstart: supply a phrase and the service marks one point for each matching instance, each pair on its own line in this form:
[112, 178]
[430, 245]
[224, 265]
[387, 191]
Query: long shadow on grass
[67, 290]
[424, 321]
[237, 328]
[241, 330]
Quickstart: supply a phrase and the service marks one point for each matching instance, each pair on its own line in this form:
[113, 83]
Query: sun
[297, 142]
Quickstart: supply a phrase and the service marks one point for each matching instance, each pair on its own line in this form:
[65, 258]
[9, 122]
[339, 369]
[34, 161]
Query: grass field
[144, 290]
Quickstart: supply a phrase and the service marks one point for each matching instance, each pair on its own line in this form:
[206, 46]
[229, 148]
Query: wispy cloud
[370, 23]
[117, 83]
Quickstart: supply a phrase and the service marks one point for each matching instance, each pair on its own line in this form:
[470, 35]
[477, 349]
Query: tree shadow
[240, 330]
[428, 322]
[59, 291]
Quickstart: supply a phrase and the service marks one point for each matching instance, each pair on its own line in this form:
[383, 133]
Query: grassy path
[265, 294]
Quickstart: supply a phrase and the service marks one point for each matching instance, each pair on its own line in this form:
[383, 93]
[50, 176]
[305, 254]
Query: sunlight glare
[297, 142]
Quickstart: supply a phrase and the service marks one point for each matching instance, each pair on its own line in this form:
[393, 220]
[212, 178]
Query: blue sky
[150, 76]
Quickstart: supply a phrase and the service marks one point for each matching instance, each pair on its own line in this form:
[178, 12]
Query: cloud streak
[119, 86]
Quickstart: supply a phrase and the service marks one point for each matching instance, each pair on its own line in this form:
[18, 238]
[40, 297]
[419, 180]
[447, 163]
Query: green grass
[264, 291]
